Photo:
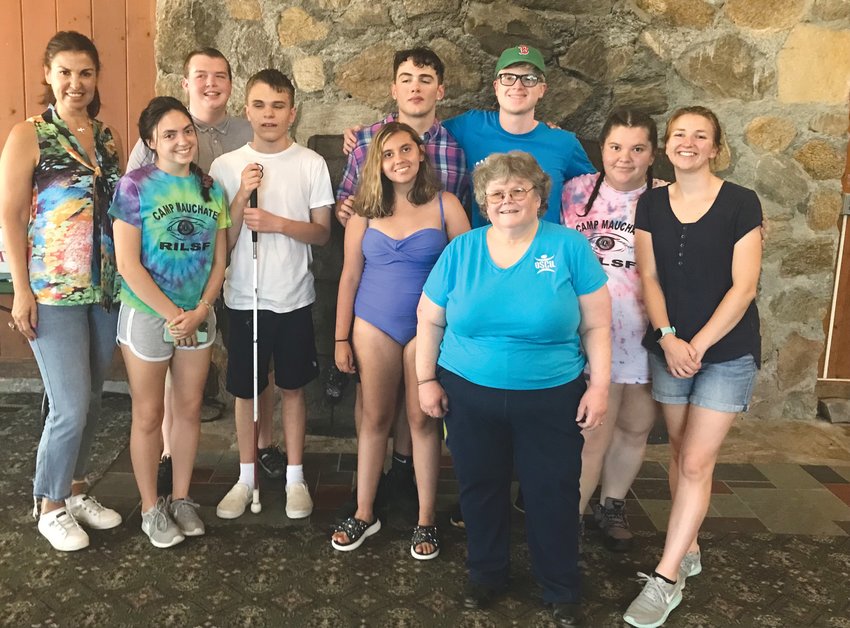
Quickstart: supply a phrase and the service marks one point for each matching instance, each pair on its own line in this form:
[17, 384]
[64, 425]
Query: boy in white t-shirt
[294, 212]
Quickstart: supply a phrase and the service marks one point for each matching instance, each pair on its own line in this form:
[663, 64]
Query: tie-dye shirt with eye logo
[609, 227]
[72, 259]
[178, 231]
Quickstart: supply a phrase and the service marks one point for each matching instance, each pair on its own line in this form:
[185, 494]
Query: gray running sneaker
[160, 527]
[185, 515]
[690, 566]
[652, 606]
[610, 516]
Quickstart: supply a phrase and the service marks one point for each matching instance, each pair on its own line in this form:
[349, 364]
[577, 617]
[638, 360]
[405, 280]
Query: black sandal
[357, 531]
[425, 534]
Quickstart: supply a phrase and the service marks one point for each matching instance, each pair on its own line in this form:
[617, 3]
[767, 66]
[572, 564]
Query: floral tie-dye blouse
[72, 256]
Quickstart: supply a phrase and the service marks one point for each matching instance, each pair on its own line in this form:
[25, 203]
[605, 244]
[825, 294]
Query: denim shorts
[722, 386]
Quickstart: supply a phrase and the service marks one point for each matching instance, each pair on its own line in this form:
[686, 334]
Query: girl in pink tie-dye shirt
[602, 207]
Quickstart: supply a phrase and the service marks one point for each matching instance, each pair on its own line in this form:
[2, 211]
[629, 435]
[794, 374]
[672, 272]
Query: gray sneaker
[652, 606]
[160, 528]
[690, 566]
[185, 515]
[610, 516]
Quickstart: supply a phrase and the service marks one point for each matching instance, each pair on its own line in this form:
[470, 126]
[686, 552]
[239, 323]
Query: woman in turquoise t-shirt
[506, 319]
[170, 222]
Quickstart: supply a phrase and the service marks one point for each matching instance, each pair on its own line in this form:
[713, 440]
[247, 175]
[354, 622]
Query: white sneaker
[299, 504]
[91, 513]
[62, 530]
[233, 504]
[652, 606]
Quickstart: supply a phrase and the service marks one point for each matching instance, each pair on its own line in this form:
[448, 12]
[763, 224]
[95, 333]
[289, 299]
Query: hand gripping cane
[255, 499]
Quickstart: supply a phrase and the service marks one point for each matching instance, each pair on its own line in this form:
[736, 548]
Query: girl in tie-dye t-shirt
[602, 207]
[170, 226]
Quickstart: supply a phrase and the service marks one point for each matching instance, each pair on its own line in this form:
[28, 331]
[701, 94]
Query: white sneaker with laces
[652, 606]
[91, 513]
[233, 504]
[299, 504]
[62, 530]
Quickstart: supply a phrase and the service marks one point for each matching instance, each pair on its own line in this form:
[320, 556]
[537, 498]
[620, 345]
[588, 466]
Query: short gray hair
[504, 166]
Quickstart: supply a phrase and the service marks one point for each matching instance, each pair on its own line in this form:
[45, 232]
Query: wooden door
[122, 30]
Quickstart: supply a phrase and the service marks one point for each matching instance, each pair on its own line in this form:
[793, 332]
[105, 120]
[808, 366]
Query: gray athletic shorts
[142, 333]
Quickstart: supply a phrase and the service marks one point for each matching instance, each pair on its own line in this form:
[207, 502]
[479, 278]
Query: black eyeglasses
[517, 194]
[528, 80]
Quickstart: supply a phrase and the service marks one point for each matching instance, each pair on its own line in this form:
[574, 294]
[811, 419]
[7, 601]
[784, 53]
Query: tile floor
[776, 544]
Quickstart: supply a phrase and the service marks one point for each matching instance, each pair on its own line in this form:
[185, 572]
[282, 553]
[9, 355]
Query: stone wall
[775, 71]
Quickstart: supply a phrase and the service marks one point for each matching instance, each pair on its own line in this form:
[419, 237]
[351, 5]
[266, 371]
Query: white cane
[255, 500]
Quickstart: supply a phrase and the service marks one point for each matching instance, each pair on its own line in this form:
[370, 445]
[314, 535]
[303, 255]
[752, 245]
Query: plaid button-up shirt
[446, 156]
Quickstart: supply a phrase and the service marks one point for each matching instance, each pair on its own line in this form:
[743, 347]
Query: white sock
[294, 473]
[246, 473]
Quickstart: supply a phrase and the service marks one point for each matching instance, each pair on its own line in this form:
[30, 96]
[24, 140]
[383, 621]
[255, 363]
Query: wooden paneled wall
[122, 30]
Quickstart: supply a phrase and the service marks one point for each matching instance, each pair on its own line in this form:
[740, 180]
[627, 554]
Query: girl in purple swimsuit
[402, 224]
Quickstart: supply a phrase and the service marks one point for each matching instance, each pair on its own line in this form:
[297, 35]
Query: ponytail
[593, 194]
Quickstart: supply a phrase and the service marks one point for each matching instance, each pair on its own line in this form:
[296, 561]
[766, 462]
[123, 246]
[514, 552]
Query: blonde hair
[375, 197]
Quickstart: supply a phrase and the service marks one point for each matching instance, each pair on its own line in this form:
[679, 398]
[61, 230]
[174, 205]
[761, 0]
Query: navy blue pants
[491, 431]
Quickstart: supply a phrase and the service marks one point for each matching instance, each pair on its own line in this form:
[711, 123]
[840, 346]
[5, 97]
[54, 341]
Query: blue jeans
[74, 348]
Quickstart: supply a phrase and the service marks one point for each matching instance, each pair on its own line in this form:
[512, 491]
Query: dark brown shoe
[611, 518]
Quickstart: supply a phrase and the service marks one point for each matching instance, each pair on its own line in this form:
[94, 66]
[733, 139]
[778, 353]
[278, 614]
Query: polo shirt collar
[221, 127]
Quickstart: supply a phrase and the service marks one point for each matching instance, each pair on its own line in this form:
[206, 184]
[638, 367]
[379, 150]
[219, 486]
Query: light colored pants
[74, 349]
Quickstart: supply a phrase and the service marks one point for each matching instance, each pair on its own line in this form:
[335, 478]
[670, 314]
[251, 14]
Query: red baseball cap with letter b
[521, 54]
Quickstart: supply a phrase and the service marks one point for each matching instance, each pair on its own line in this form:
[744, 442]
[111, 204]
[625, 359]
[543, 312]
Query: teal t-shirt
[558, 152]
[178, 228]
[514, 328]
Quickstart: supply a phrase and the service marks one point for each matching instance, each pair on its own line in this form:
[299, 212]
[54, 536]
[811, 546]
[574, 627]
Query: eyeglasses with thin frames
[528, 80]
[517, 194]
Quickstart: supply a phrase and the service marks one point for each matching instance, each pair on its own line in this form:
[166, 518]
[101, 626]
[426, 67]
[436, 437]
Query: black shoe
[272, 462]
[519, 502]
[456, 518]
[478, 596]
[163, 477]
[567, 614]
[335, 384]
[401, 492]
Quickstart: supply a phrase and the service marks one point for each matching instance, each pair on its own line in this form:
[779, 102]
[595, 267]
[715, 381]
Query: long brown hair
[375, 197]
[150, 117]
[71, 41]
